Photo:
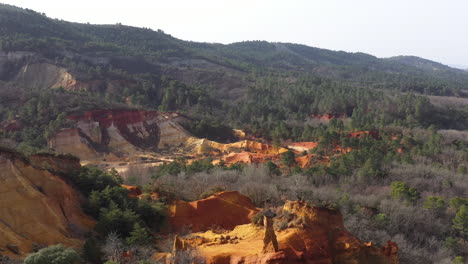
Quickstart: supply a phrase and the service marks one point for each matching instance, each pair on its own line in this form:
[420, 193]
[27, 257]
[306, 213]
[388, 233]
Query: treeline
[131, 221]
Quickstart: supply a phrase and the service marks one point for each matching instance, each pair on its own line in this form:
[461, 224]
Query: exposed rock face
[101, 132]
[53, 163]
[45, 75]
[36, 205]
[314, 235]
[123, 138]
[73, 141]
[247, 145]
[246, 151]
[225, 210]
[115, 135]
[303, 146]
[133, 191]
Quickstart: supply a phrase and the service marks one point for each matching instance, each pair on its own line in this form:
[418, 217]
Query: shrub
[460, 222]
[257, 219]
[283, 226]
[57, 254]
[187, 257]
[435, 204]
[458, 260]
[210, 192]
[273, 168]
[288, 158]
[401, 190]
[457, 202]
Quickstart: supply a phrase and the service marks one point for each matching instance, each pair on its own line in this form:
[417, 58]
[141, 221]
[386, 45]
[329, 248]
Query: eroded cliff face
[123, 138]
[45, 75]
[35, 72]
[224, 210]
[99, 133]
[37, 206]
[307, 235]
[126, 135]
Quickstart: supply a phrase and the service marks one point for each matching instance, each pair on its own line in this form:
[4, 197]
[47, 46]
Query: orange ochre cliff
[303, 233]
[36, 205]
[225, 210]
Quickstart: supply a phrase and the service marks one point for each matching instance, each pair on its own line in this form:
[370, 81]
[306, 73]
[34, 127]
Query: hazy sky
[433, 29]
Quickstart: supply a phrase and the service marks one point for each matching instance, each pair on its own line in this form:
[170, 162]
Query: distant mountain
[140, 51]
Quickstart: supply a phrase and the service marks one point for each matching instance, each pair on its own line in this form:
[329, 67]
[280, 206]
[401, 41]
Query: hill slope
[50, 66]
[143, 51]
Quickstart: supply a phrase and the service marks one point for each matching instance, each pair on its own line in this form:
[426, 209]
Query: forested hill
[139, 50]
[50, 66]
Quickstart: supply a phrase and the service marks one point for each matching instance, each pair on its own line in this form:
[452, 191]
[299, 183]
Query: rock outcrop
[36, 205]
[55, 163]
[308, 235]
[45, 75]
[102, 132]
[303, 146]
[225, 210]
[121, 134]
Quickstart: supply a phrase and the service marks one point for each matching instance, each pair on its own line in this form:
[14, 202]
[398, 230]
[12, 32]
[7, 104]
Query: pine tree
[139, 236]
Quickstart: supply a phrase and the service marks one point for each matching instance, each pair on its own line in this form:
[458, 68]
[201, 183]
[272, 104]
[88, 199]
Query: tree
[273, 168]
[457, 202]
[139, 236]
[92, 251]
[460, 222]
[57, 254]
[116, 176]
[368, 170]
[288, 158]
[435, 204]
[401, 190]
[115, 219]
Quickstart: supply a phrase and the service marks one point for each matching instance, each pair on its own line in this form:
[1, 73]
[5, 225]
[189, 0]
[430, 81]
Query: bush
[288, 158]
[57, 254]
[458, 202]
[400, 190]
[211, 192]
[435, 204]
[273, 168]
[460, 222]
[257, 219]
[458, 260]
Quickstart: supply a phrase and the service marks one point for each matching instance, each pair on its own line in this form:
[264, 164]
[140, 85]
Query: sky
[432, 29]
